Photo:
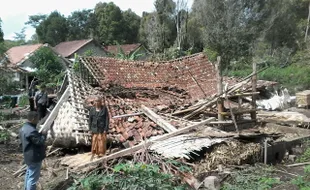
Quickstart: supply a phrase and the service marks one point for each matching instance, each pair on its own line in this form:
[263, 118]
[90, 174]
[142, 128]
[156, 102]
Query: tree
[181, 19]
[167, 30]
[110, 23]
[53, 29]
[2, 46]
[150, 32]
[49, 68]
[132, 24]
[7, 84]
[81, 24]
[1, 32]
[20, 37]
[35, 20]
[230, 27]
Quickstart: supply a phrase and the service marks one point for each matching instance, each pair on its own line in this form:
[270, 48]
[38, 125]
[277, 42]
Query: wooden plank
[157, 119]
[144, 144]
[298, 164]
[243, 94]
[239, 112]
[54, 112]
[127, 115]
[254, 86]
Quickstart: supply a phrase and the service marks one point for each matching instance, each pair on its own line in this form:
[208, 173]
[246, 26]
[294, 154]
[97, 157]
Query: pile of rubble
[170, 109]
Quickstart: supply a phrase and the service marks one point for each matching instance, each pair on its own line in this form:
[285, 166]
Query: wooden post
[265, 151]
[219, 79]
[27, 82]
[254, 84]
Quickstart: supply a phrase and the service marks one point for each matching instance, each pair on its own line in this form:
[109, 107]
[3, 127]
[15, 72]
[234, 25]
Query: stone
[211, 183]
[292, 158]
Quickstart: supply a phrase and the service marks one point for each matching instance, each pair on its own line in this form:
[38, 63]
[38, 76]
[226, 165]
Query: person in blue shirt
[33, 146]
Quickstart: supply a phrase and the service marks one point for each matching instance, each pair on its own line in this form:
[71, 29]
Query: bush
[130, 176]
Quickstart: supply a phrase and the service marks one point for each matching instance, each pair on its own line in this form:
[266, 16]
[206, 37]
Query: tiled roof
[195, 74]
[19, 53]
[127, 48]
[66, 49]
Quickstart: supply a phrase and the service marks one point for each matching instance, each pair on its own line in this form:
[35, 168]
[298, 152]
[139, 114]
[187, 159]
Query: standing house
[130, 49]
[17, 61]
[86, 47]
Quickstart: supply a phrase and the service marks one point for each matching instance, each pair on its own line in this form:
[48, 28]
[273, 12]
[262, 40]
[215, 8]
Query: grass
[131, 176]
[305, 157]
[258, 178]
[293, 77]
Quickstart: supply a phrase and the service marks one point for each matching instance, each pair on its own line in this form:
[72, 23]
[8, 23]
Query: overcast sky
[14, 13]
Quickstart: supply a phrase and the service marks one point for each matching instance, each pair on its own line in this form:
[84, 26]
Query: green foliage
[23, 101]
[1, 32]
[305, 157]
[131, 24]
[49, 67]
[4, 135]
[35, 20]
[130, 176]
[7, 85]
[20, 37]
[52, 29]
[212, 55]
[303, 182]
[131, 56]
[81, 24]
[252, 178]
[110, 26]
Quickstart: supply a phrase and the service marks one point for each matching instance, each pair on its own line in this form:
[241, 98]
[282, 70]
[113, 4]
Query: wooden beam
[254, 85]
[127, 115]
[157, 119]
[298, 164]
[219, 79]
[144, 144]
[54, 112]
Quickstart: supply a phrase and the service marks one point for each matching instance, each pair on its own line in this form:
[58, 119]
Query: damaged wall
[183, 73]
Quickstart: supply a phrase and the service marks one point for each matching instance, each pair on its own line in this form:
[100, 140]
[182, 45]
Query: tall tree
[35, 20]
[53, 29]
[181, 20]
[2, 46]
[110, 23]
[165, 10]
[81, 24]
[20, 37]
[150, 32]
[1, 32]
[132, 24]
[230, 27]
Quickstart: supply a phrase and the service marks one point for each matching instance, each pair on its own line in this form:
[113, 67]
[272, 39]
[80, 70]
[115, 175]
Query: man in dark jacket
[41, 101]
[33, 146]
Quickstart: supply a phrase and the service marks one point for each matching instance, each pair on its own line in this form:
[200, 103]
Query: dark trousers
[41, 111]
[31, 103]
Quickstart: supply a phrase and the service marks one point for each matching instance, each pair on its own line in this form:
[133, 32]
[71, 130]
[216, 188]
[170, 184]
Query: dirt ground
[11, 160]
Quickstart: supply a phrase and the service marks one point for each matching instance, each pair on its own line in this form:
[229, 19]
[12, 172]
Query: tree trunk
[306, 34]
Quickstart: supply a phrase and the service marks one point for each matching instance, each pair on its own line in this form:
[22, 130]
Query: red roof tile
[18, 53]
[66, 49]
[127, 48]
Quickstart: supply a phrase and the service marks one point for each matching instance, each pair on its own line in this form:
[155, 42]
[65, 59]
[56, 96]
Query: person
[32, 91]
[41, 101]
[33, 146]
[99, 126]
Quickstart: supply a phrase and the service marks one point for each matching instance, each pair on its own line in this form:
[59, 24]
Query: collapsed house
[151, 103]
